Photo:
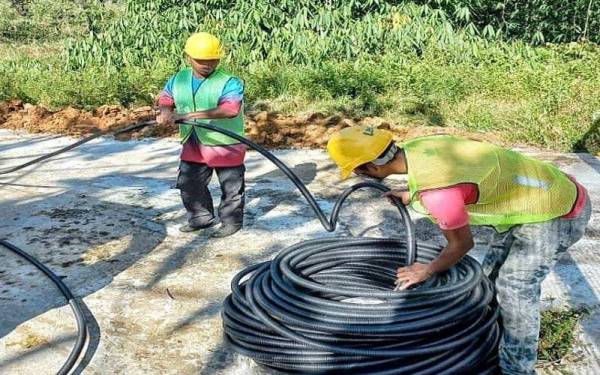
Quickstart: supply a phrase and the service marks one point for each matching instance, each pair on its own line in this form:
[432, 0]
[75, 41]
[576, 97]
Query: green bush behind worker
[537, 210]
[206, 94]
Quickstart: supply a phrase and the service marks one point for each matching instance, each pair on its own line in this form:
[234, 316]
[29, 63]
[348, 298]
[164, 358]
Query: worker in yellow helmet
[205, 94]
[538, 212]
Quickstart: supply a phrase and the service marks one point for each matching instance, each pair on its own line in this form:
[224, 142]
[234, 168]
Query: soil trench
[270, 129]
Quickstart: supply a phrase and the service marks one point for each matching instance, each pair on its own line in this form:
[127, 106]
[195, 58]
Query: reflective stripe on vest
[513, 188]
[207, 97]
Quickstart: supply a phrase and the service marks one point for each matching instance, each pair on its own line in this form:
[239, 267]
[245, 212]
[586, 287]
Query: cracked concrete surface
[104, 217]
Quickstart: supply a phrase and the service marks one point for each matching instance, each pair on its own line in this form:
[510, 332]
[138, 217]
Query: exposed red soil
[272, 130]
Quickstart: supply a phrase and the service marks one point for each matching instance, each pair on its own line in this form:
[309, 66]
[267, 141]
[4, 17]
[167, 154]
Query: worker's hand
[412, 275]
[401, 194]
[165, 117]
[184, 117]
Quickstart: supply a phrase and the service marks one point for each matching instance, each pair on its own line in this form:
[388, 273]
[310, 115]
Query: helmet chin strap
[387, 157]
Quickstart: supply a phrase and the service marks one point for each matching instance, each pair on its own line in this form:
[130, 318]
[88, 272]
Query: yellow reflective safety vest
[513, 188]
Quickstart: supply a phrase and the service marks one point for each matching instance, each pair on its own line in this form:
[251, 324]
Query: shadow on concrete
[27, 142]
[179, 256]
[84, 240]
[221, 358]
[591, 161]
[580, 293]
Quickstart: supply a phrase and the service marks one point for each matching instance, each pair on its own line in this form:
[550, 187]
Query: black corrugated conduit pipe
[328, 305]
[82, 324]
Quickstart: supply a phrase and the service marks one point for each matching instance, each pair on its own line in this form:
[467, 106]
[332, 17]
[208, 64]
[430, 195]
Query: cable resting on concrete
[328, 305]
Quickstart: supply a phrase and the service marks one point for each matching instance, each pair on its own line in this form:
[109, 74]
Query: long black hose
[82, 325]
[327, 306]
[76, 144]
[296, 313]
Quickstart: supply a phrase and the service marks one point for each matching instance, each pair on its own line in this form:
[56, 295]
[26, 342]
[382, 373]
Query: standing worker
[538, 212]
[204, 94]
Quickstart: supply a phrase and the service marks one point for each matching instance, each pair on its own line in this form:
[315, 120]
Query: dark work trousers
[192, 183]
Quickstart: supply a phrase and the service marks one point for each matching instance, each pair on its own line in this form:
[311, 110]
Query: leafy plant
[50, 20]
[536, 21]
[439, 63]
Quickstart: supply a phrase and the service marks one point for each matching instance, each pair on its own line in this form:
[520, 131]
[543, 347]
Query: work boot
[192, 228]
[226, 230]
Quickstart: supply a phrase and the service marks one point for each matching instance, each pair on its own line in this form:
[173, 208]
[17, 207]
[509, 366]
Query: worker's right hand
[165, 117]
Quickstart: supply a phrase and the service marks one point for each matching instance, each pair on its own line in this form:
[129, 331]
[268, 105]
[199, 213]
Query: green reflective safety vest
[207, 97]
[513, 188]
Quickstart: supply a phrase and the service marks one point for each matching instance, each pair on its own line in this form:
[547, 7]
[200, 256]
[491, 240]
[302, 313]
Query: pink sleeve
[234, 105]
[446, 206]
[165, 99]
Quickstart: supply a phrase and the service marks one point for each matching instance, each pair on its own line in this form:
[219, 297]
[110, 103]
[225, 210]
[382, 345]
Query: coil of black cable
[327, 306]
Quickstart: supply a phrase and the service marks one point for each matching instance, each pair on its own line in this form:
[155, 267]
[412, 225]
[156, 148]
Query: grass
[543, 96]
[557, 334]
[15, 51]
[549, 103]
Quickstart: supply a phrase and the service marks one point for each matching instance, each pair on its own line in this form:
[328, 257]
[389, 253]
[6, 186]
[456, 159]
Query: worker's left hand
[402, 194]
[411, 275]
[178, 117]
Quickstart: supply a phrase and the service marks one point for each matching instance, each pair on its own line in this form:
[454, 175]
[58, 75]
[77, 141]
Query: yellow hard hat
[204, 46]
[354, 146]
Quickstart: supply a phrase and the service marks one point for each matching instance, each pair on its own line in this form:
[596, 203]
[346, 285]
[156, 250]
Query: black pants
[192, 183]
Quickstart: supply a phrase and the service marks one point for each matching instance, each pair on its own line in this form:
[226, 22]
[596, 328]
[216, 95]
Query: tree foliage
[536, 21]
[286, 31]
[52, 20]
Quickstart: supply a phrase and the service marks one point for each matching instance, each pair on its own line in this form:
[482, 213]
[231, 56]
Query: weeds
[557, 334]
[411, 64]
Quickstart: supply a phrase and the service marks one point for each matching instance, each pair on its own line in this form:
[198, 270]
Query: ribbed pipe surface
[328, 306]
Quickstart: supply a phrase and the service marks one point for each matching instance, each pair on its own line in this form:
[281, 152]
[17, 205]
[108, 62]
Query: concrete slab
[104, 217]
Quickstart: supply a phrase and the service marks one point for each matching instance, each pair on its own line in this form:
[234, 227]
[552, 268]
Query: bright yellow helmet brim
[351, 147]
[204, 46]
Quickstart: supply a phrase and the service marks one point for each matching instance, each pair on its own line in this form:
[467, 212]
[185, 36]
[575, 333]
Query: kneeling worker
[537, 210]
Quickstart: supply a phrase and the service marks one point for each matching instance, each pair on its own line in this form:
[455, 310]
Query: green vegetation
[51, 20]
[557, 334]
[536, 21]
[479, 66]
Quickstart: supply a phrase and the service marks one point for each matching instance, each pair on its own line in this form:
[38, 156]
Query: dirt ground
[273, 130]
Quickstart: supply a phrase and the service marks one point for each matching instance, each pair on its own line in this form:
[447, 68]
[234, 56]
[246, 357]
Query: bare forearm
[214, 113]
[460, 241]
[164, 108]
[449, 256]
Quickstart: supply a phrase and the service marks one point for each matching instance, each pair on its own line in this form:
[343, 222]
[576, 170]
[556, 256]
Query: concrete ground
[104, 217]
